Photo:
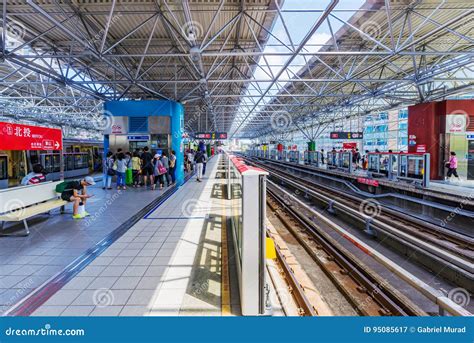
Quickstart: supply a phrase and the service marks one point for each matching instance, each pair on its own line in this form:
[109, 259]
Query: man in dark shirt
[71, 194]
[147, 166]
[200, 159]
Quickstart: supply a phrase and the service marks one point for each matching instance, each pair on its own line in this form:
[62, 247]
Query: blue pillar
[177, 129]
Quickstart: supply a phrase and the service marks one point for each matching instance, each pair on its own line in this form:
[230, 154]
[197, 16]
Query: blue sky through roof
[298, 24]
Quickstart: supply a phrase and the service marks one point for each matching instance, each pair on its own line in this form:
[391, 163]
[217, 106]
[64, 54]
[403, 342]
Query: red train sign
[27, 137]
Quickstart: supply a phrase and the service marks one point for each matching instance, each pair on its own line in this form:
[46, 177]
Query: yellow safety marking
[270, 248]
[225, 283]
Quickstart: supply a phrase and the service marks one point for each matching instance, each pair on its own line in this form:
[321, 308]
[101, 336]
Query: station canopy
[248, 68]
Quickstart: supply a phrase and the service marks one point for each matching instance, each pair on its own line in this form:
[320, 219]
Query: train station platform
[167, 263]
[57, 241]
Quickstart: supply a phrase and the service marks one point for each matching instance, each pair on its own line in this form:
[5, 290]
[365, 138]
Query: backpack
[160, 168]
[61, 187]
[199, 158]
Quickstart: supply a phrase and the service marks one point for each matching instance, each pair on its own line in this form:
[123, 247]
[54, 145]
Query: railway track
[456, 242]
[364, 289]
[449, 254]
[368, 294]
[297, 291]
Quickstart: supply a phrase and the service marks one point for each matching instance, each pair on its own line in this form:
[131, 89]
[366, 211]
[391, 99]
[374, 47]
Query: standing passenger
[109, 172]
[333, 154]
[121, 164]
[136, 168]
[172, 166]
[147, 167]
[452, 166]
[191, 160]
[204, 152]
[166, 163]
[158, 171]
[199, 158]
[357, 158]
[365, 160]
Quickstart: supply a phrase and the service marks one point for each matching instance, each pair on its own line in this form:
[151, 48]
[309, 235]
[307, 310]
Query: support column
[177, 129]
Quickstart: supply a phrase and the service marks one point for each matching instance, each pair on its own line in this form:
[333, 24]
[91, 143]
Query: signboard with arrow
[27, 137]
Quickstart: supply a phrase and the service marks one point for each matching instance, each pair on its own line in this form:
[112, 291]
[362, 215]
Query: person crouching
[76, 192]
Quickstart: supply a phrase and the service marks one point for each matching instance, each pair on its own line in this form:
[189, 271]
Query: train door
[17, 166]
[97, 158]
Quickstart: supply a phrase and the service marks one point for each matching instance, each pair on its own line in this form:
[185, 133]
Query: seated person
[70, 193]
[35, 177]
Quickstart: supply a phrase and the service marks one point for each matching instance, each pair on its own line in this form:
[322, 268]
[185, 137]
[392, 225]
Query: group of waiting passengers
[142, 166]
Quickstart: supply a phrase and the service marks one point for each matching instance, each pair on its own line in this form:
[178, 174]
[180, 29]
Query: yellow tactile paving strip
[225, 284]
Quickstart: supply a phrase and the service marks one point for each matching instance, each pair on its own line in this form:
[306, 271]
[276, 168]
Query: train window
[69, 165]
[34, 157]
[47, 162]
[56, 163]
[80, 161]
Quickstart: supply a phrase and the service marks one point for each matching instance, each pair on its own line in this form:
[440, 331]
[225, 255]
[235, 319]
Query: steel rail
[385, 299]
[296, 290]
[461, 266]
[452, 236]
[434, 295]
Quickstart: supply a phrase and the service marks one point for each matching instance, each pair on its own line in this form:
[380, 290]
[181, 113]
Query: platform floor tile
[168, 264]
